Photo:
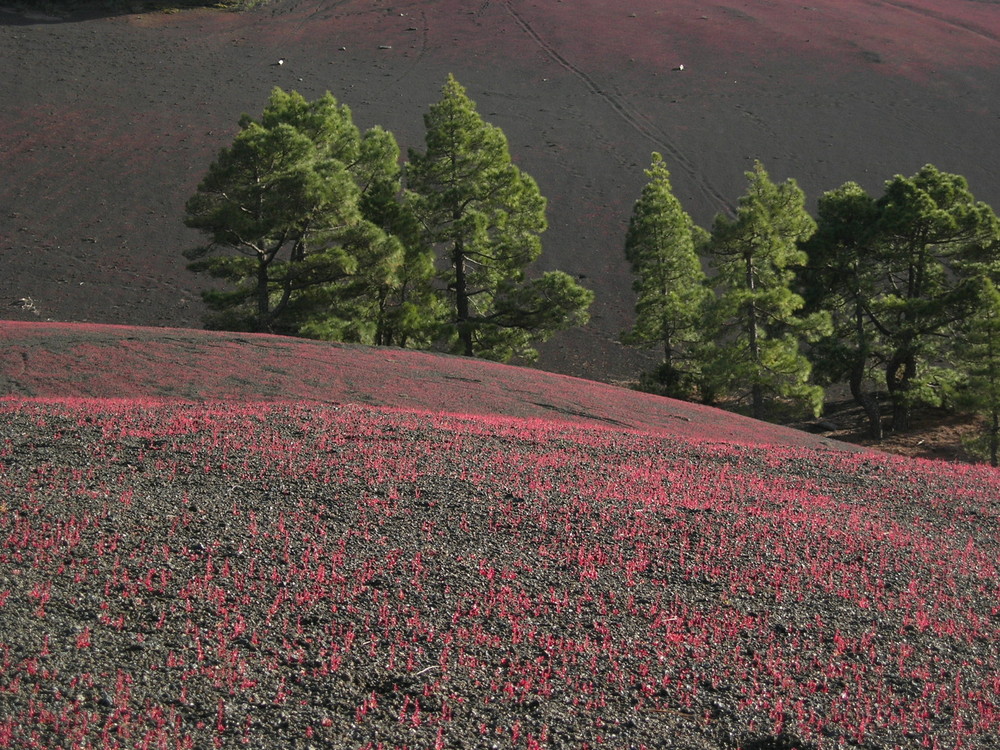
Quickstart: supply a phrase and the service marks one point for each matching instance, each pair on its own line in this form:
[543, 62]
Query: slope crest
[64, 360]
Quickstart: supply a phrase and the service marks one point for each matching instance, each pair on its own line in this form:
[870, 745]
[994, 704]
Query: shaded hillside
[109, 123]
[328, 572]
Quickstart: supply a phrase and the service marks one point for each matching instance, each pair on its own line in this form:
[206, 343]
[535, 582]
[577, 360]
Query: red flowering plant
[192, 575]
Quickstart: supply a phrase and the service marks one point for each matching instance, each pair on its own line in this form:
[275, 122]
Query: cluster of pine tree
[895, 295]
[319, 232]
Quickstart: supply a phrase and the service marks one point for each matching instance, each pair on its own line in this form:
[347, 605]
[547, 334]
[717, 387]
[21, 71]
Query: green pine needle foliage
[671, 294]
[485, 217]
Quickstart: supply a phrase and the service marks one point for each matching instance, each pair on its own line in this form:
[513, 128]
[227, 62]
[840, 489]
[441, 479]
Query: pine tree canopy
[485, 216]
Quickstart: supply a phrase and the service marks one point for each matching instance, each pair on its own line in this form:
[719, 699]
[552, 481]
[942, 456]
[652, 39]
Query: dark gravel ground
[268, 575]
[109, 122]
[236, 574]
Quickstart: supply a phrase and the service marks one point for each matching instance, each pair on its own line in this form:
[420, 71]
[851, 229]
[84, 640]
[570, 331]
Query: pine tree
[899, 275]
[981, 355]
[842, 279]
[486, 216]
[662, 247]
[282, 208]
[407, 309]
[757, 328]
[930, 235]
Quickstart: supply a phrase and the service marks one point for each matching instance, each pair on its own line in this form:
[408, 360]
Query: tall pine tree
[930, 235]
[981, 355]
[282, 210]
[900, 275]
[662, 246]
[842, 279]
[485, 216]
[757, 327]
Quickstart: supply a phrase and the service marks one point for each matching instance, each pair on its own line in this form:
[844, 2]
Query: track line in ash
[633, 118]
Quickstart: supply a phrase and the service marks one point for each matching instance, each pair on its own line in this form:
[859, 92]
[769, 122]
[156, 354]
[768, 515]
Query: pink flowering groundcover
[249, 573]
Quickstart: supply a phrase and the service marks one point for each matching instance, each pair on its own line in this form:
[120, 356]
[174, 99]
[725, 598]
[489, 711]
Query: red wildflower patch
[196, 575]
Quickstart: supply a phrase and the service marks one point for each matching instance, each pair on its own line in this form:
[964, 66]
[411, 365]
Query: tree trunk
[899, 375]
[462, 299]
[383, 334]
[995, 438]
[902, 367]
[756, 390]
[263, 297]
[669, 375]
[757, 401]
[866, 400]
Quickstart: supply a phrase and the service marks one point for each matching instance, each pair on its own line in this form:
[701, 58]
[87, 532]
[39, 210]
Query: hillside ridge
[67, 360]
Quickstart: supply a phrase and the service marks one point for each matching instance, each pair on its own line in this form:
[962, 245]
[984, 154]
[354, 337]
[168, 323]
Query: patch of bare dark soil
[57, 11]
[936, 433]
[109, 122]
